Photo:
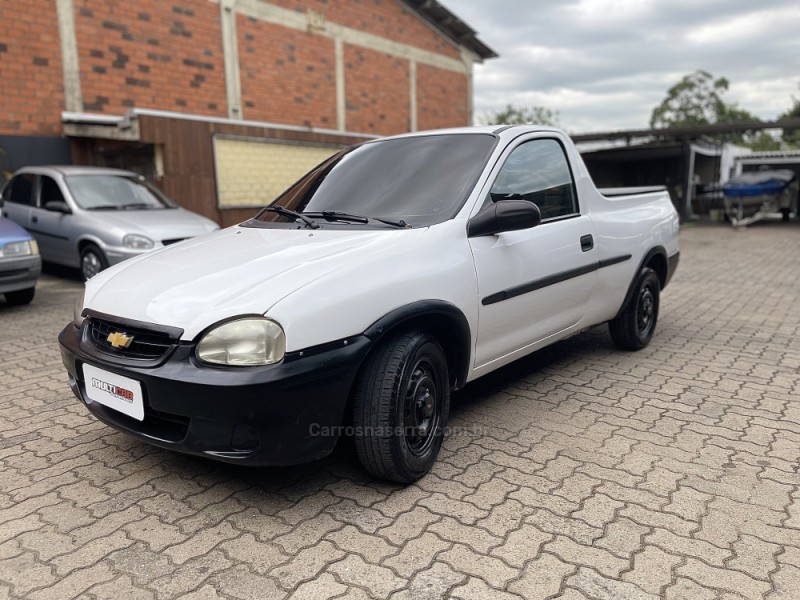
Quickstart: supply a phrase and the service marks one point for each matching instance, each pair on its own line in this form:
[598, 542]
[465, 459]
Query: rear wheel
[92, 261]
[20, 297]
[633, 328]
[402, 401]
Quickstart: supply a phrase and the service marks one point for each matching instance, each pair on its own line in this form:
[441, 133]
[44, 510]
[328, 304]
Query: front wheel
[20, 297]
[92, 261]
[633, 328]
[402, 400]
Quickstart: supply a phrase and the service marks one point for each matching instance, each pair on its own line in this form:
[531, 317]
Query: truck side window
[49, 191]
[22, 189]
[538, 171]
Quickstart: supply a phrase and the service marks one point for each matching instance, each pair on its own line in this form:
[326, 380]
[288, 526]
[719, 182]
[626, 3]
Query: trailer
[780, 201]
[756, 195]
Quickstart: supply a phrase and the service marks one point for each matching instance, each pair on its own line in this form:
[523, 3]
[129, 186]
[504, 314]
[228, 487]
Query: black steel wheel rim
[422, 407]
[646, 311]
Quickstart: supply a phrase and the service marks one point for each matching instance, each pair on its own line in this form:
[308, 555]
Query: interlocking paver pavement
[579, 472]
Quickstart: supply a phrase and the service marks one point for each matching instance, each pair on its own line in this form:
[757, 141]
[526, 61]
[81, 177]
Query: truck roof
[512, 130]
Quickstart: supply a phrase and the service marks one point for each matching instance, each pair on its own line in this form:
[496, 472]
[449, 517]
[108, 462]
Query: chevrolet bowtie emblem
[119, 340]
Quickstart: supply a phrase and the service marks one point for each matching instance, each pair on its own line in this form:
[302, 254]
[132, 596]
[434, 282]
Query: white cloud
[751, 28]
[604, 64]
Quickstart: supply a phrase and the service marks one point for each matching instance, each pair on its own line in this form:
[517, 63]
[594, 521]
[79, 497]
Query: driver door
[52, 229]
[533, 283]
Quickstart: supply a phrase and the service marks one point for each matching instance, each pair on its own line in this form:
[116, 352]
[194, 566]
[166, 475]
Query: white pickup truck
[394, 272]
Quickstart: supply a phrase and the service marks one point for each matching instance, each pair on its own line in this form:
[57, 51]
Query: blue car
[20, 263]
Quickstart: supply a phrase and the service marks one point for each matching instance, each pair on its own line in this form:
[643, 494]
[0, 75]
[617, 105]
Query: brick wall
[287, 76]
[31, 88]
[389, 19]
[442, 98]
[165, 55]
[377, 92]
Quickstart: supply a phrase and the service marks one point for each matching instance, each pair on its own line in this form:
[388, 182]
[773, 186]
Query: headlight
[248, 341]
[25, 248]
[137, 242]
[78, 309]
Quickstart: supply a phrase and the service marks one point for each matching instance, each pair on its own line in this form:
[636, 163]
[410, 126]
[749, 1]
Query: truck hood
[157, 224]
[233, 272]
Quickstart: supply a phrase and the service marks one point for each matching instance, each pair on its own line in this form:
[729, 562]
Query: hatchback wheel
[20, 297]
[92, 261]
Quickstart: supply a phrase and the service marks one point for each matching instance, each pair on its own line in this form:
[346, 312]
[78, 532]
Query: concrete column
[341, 98]
[230, 51]
[412, 88]
[73, 100]
[469, 59]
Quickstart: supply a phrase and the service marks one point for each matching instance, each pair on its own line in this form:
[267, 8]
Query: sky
[603, 65]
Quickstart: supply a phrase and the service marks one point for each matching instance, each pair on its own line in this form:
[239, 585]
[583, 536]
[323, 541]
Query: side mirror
[505, 215]
[58, 206]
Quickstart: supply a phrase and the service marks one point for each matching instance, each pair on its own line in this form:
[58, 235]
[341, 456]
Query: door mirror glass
[505, 215]
[58, 206]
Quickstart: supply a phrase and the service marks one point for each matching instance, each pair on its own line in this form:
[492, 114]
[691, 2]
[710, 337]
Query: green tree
[697, 99]
[762, 141]
[791, 137]
[519, 115]
[694, 100]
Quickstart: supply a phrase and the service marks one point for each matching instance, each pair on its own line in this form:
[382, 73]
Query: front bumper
[19, 273]
[281, 414]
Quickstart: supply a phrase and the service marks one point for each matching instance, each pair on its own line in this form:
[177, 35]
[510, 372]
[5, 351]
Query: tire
[92, 261]
[20, 297]
[401, 404]
[633, 328]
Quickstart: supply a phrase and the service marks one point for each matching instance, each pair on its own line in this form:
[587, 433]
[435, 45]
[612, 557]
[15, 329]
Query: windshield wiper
[400, 223]
[291, 213]
[105, 207]
[333, 215]
[136, 205]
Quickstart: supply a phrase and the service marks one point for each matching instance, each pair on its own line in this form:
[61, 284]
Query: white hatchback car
[93, 217]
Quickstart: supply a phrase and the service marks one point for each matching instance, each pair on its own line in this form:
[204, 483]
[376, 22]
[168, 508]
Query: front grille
[174, 241]
[13, 273]
[145, 344]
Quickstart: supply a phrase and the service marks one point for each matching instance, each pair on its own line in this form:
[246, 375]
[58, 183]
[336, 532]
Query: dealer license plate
[123, 394]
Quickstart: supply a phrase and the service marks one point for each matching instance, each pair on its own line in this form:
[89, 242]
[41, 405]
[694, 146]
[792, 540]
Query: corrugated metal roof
[452, 26]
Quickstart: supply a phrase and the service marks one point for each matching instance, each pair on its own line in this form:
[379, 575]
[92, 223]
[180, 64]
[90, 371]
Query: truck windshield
[421, 180]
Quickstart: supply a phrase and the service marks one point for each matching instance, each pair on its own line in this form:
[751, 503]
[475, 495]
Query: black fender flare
[444, 317]
[653, 252]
